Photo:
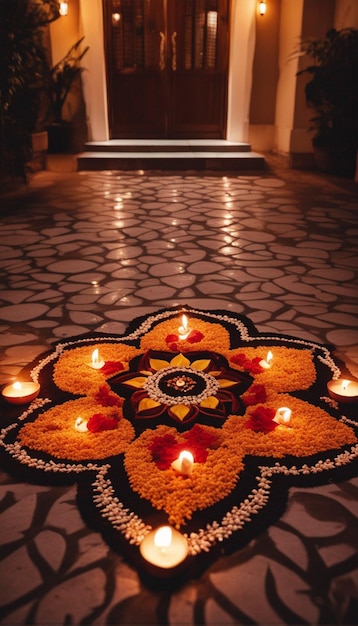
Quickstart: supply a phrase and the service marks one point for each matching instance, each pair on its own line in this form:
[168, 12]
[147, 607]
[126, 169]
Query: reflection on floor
[90, 251]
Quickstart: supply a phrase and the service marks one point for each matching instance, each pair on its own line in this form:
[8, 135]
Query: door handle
[162, 51]
[174, 51]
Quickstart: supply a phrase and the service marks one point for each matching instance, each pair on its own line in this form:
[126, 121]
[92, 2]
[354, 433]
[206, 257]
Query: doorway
[167, 67]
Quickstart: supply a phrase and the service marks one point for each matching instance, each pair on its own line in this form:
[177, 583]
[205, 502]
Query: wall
[346, 14]
[265, 77]
[290, 30]
[317, 19]
[64, 33]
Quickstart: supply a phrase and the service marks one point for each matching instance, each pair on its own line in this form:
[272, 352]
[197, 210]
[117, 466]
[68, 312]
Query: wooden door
[167, 67]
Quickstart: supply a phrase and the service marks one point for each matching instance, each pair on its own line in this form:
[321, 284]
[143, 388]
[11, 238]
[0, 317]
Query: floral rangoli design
[202, 431]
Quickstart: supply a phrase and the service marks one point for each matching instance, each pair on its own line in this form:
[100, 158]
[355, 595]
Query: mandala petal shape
[146, 404]
[201, 364]
[157, 364]
[198, 386]
[182, 411]
[210, 402]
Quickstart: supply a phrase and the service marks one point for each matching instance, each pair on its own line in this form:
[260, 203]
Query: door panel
[167, 67]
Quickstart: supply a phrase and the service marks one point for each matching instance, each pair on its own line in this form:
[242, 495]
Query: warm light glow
[184, 463]
[184, 322]
[81, 425]
[343, 390]
[165, 547]
[163, 537]
[283, 415]
[97, 363]
[185, 455]
[184, 329]
[212, 19]
[95, 357]
[21, 393]
[262, 8]
[116, 18]
[63, 10]
[266, 363]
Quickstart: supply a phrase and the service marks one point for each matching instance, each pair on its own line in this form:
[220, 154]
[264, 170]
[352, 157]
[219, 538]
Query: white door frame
[242, 45]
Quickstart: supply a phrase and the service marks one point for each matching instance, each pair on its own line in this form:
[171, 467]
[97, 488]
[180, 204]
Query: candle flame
[269, 356]
[163, 537]
[184, 322]
[95, 357]
[185, 455]
[345, 384]
[285, 414]
[17, 386]
[81, 425]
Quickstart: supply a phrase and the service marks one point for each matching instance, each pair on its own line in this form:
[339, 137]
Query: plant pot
[338, 160]
[60, 138]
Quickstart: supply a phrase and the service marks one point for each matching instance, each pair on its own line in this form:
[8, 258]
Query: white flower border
[134, 529]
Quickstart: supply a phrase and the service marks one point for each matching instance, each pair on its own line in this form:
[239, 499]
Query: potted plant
[63, 77]
[332, 93]
[23, 78]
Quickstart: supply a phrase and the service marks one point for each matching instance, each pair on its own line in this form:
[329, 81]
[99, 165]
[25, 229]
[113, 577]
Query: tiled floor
[90, 251]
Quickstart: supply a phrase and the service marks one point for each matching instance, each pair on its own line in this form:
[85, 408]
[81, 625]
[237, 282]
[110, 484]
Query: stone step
[167, 145]
[188, 154]
[231, 161]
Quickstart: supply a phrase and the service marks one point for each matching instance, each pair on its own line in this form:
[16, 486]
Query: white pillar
[242, 47]
[94, 78]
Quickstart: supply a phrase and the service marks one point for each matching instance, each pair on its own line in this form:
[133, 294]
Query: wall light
[262, 7]
[63, 8]
[116, 18]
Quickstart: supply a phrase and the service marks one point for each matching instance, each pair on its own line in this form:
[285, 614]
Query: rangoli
[192, 420]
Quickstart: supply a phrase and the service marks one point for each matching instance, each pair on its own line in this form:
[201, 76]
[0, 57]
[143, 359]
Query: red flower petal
[255, 365]
[164, 451]
[261, 420]
[106, 397]
[195, 336]
[255, 394]
[248, 365]
[197, 436]
[238, 359]
[171, 338]
[99, 422]
[110, 367]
